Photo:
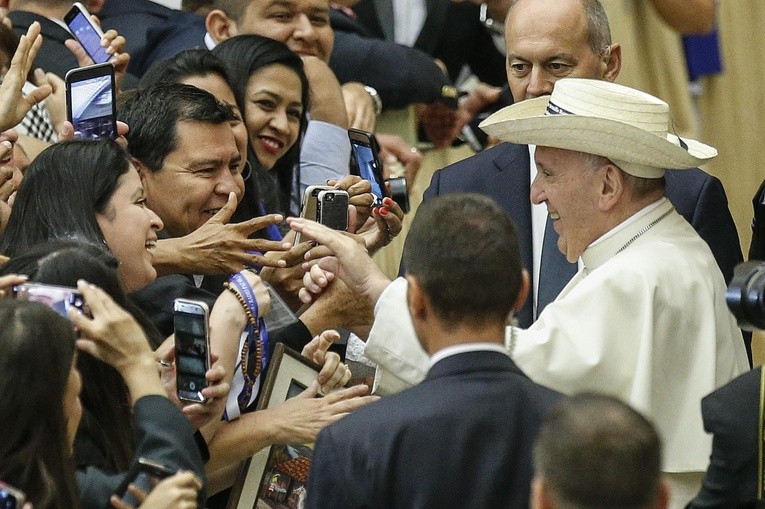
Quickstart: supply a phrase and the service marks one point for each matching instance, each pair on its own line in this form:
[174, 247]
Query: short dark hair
[187, 63]
[154, 113]
[463, 250]
[235, 9]
[62, 191]
[38, 348]
[594, 451]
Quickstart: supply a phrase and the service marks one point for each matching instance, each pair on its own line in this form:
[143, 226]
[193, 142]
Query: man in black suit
[547, 40]
[461, 438]
[595, 451]
[53, 56]
[732, 415]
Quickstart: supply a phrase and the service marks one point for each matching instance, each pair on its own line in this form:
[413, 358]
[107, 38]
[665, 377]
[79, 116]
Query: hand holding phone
[192, 348]
[87, 33]
[90, 102]
[58, 298]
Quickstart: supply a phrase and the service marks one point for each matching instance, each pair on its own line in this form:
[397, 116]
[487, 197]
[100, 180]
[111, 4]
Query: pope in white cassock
[645, 318]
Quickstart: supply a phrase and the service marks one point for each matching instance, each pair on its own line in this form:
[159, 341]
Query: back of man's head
[153, 114]
[463, 251]
[595, 452]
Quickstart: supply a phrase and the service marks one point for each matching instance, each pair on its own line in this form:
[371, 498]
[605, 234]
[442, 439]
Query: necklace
[645, 229]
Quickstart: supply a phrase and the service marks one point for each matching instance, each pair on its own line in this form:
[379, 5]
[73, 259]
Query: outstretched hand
[333, 372]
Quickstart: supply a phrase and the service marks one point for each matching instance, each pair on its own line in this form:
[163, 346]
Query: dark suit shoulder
[733, 402]
[475, 174]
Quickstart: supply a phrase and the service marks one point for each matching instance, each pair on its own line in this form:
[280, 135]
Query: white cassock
[644, 320]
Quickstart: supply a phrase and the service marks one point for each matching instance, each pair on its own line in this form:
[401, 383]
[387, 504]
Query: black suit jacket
[731, 414]
[461, 438]
[400, 74]
[53, 55]
[153, 32]
[452, 33]
[502, 173]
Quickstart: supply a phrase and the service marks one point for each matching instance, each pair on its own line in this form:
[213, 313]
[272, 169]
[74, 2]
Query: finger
[83, 59]
[118, 503]
[317, 252]
[258, 223]
[331, 361]
[217, 391]
[223, 216]
[334, 240]
[39, 94]
[355, 391]
[7, 282]
[137, 492]
[217, 373]
[67, 131]
[311, 392]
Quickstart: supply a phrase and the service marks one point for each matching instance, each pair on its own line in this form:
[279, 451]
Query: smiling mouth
[211, 212]
[554, 216]
[151, 244]
[271, 145]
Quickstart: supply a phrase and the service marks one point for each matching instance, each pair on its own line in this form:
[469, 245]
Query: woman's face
[272, 112]
[72, 404]
[130, 230]
[218, 87]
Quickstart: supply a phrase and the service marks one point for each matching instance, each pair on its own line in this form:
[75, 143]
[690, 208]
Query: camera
[746, 295]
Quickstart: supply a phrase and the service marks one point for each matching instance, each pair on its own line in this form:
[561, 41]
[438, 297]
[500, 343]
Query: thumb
[223, 216]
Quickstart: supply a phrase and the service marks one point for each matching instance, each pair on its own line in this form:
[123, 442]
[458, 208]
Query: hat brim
[526, 123]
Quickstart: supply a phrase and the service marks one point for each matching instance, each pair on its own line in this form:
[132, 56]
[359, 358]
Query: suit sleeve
[164, 435]
[713, 221]
[401, 75]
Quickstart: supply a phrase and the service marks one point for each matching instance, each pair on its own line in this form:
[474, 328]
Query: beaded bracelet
[256, 333]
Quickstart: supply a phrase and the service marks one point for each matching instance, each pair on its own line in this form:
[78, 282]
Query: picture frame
[277, 474]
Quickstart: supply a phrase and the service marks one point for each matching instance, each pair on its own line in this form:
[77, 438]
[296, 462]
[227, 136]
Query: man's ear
[523, 291]
[613, 186]
[143, 170]
[220, 26]
[613, 62]
[416, 299]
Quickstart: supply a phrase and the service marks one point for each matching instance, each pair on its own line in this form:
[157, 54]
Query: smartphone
[90, 102]
[366, 162]
[10, 497]
[192, 348]
[332, 209]
[310, 205]
[142, 474]
[87, 33]
[58, 298]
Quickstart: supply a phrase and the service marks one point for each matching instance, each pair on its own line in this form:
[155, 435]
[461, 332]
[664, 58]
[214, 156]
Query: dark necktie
[554, 270]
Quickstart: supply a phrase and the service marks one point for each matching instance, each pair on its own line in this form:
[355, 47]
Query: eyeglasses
[491, 25]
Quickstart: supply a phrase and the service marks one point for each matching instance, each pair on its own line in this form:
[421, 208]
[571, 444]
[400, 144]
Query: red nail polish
[383, 211]
[387, 201]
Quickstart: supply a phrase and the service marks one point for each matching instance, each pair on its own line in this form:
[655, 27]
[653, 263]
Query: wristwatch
[375, 98]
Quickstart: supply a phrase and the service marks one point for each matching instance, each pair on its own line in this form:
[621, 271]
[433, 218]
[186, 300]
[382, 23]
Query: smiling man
[645, 318]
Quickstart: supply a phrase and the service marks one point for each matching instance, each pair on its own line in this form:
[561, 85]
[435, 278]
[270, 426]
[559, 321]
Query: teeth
[151, 243]
[212, 212]
[554, 215]
[272, 143]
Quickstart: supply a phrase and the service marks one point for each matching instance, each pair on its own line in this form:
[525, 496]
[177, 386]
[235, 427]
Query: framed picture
[275, 477]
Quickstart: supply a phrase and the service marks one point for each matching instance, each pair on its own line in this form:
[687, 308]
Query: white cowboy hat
[625, 125]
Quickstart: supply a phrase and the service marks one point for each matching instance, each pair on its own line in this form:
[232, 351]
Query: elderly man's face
[196, 178]
[303, 25]
[570, 188]
[546, 41]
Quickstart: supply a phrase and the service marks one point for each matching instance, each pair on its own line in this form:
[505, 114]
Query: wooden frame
[266, 475]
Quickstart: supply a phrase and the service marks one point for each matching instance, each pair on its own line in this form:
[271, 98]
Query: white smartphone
[87, 33]
[310, 205]
[192, 348]
[90, 102]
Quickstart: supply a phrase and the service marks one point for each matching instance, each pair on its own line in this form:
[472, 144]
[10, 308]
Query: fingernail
[383, 211]
[387, 201]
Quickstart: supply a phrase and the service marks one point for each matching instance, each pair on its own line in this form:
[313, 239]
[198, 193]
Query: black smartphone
[10, 497]
[90, 102]
[141, 474]
[332, 209]
[366, 162]
[310, 205]
[58, 298]
[192, 348]
[87, 33]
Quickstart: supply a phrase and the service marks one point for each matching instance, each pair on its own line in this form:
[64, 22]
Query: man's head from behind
[185, 152]
[303, 25]
[595, 452]
[552, 39]
[463, 263]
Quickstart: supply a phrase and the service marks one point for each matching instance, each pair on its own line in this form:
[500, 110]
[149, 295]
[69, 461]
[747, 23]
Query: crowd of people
[559, 336]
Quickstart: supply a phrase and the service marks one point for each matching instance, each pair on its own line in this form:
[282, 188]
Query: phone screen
[58, 298]
[190, 354]
[367, 165]
[92, 109]
[88, 37]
